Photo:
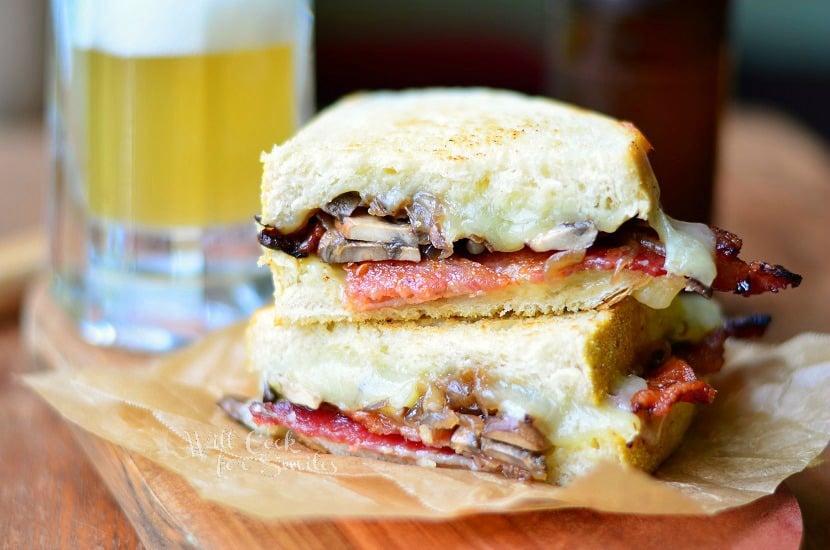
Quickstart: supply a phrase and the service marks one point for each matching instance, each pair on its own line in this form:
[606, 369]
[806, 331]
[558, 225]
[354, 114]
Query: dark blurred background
[783, 57]
[779, 51]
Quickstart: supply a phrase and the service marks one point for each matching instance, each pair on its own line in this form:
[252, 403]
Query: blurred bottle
[661, 64]
[372, 44]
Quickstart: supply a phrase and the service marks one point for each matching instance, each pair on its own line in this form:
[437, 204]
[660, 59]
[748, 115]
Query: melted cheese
[690, 247]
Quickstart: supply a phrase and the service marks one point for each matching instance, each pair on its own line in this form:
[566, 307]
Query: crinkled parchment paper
[770, 420]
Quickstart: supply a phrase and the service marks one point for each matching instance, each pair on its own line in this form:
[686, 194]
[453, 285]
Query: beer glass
[158, 114]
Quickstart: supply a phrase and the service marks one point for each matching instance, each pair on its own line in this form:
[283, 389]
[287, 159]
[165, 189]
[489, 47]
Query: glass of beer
[158, 113]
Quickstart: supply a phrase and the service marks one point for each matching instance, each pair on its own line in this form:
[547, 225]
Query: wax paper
[771, 419]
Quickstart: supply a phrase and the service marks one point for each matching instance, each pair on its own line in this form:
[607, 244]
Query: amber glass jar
[661, 64]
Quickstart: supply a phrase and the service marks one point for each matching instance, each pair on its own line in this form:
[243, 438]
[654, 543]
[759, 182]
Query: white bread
[560, 370]
[507, 168]
[528, 159]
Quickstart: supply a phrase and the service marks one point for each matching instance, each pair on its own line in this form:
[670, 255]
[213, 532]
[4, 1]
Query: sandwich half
[471, 203]
[540, 398]
[479, 279]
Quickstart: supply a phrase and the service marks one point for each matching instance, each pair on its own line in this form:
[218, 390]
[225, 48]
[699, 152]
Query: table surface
[773, 190]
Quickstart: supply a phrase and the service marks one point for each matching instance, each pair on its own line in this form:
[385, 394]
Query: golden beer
[159, 111]
[175, 140]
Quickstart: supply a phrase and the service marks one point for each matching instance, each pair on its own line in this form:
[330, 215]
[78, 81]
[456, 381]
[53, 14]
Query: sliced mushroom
[379, 209]
[567, 236]
[373, 229]
[465, 440]
[467, 436]
[444, 420]
[532, 462]
[334, 248]
[513, 431]
[238, 408]
[343, 205]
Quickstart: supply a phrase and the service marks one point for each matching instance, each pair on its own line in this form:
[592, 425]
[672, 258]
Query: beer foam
[153, 28]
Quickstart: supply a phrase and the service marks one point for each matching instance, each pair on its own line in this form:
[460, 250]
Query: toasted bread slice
[505, 165]
[568, 373]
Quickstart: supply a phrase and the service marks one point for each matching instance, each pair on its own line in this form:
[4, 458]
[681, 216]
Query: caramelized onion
[425, 214]
[343, 206]
[299, 244]
[557, 263]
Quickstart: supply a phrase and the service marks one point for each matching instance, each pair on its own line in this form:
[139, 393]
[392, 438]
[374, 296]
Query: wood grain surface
[166, 512]
[773, 190]
[50, 495]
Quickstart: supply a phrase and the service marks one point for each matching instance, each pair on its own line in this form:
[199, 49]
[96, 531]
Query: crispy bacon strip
[678, 378]
[372, 285]
[735, 275]
[675, 381]
[704, 357]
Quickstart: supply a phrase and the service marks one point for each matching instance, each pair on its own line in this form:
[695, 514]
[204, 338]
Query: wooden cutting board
[167, 512]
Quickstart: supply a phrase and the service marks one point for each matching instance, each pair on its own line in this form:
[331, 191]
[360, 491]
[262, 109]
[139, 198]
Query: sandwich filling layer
[490, 395]
[361, 266]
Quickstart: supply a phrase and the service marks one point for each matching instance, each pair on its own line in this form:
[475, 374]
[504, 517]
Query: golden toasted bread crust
[560, 370]
[507, 167]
